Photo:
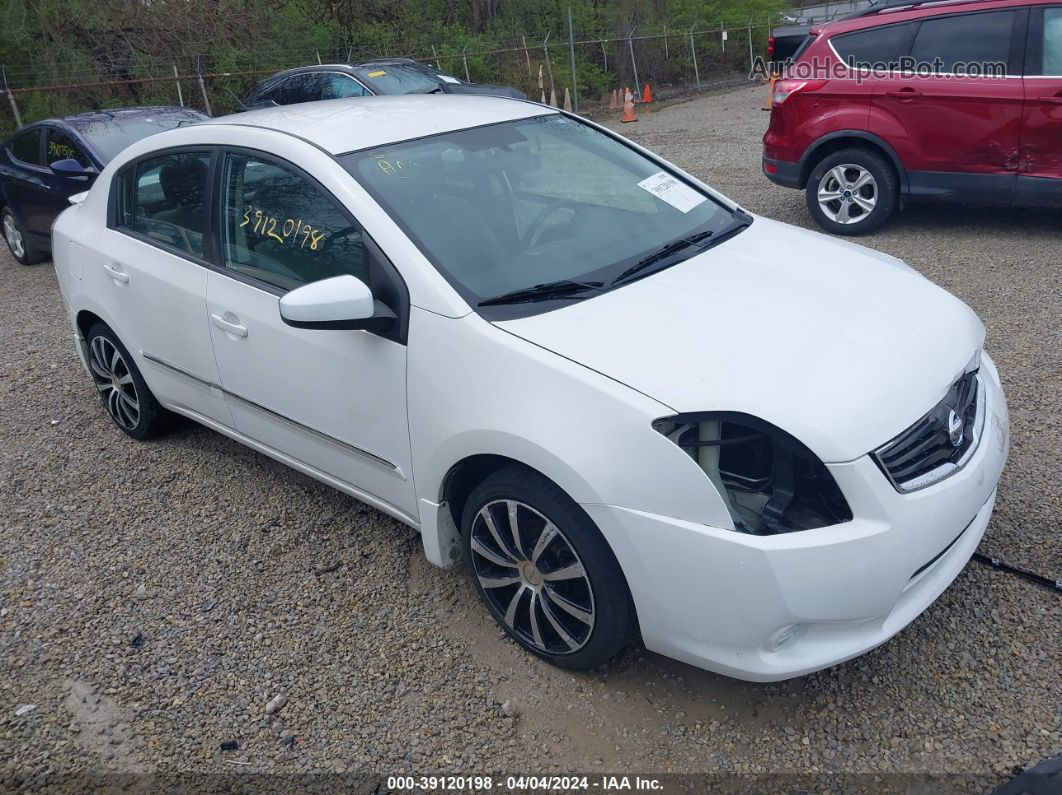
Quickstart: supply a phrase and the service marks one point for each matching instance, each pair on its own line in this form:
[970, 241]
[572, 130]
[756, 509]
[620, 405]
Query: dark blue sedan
[45, 163]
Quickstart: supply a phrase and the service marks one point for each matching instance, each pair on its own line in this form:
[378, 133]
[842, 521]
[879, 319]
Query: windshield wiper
[700, 240]
[565, 288]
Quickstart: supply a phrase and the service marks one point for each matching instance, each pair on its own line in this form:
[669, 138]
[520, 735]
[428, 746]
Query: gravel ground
[155, 597]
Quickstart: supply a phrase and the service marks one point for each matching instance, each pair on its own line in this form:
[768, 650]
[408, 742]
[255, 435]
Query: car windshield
[522, 204]
[401, 78]
[109, 134]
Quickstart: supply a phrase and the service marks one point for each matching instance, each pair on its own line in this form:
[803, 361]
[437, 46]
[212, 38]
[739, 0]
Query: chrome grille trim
[975, 429]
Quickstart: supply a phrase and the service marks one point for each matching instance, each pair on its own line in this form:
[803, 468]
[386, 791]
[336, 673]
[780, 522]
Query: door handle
[114, 270]
[1051, 100]
[904, 93]
[237, 329]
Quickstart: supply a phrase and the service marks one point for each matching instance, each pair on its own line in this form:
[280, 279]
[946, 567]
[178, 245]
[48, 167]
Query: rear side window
[1052, 57]
[961, 43]
[60, 146]
[281, 229]
[164, 198]
[300, 88]
[27, 147]
[877, 48]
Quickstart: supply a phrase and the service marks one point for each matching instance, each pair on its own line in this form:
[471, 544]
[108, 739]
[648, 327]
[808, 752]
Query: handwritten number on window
[293, 231]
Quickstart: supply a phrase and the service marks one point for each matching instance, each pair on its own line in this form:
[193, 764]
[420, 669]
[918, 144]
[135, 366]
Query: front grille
[932, 448]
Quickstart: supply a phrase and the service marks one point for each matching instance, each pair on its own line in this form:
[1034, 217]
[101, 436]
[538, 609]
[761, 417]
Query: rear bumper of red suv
[782, 173]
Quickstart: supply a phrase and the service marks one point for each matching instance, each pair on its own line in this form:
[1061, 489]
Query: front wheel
[544, 571]
[852, 192]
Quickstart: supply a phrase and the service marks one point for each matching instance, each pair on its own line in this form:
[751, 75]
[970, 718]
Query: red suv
[957, 101]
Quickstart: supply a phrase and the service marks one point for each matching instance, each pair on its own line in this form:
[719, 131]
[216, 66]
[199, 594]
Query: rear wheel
[15, 237]
[852, 192]
[544, 571]
[122, 390]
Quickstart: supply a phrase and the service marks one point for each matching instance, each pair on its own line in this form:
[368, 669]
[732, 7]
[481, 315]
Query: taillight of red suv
[786, 87]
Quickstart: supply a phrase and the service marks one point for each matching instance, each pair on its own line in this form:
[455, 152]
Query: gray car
[337, 81]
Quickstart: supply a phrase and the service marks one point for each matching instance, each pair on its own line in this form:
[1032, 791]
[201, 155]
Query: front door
[331, 400]
[958, 135]
[1040, 172]
[27, 183]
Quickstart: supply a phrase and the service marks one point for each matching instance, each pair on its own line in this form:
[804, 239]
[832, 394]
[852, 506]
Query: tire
[18, 244]
[579, 619]
[867, 205]
[122, 390]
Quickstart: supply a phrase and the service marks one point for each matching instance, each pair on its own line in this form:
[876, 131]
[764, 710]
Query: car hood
[839, 345]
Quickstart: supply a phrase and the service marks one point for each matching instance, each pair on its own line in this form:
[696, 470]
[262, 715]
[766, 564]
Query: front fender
[475, 389]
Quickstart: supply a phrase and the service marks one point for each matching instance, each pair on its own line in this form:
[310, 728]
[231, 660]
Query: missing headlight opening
[770, 482]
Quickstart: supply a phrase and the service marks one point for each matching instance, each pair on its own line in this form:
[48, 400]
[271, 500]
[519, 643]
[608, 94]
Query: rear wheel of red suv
[852, 192]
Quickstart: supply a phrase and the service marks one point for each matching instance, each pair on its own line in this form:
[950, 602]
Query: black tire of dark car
[9, 224]
[884, 191]
[568, 601]
[122, 390]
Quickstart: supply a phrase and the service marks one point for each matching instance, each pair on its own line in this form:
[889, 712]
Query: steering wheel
[339, 234]
[528, 238]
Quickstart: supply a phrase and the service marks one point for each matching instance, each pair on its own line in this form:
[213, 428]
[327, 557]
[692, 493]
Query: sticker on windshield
[377, 73]
[678, 194]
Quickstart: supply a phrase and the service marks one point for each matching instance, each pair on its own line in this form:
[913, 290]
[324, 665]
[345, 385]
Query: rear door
[1040, 171]
[953, 111]
[150, 274]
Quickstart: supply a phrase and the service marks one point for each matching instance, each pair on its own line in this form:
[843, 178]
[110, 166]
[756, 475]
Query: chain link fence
[674, 62]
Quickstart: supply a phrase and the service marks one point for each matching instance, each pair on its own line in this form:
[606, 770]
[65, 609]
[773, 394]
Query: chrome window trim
[950, 468]
[345, 447]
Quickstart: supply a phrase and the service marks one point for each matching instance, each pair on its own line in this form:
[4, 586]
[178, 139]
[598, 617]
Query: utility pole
[571, 51]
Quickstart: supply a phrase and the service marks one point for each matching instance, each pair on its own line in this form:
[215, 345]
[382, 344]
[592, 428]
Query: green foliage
[118, 43]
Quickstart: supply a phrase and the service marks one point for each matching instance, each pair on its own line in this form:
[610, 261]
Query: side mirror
[342, 302]
[69, 168]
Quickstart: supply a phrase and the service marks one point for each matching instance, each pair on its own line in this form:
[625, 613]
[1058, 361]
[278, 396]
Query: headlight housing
[770, 482]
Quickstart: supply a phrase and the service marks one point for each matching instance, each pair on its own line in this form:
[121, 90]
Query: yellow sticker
[377, 73]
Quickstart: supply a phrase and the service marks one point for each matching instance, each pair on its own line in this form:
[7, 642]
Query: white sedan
[623, 402]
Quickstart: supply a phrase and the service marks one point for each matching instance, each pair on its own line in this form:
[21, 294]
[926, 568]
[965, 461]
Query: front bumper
[766, 608]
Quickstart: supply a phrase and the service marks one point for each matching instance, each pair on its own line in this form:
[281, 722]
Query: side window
[1052, 58]
[300, 88]
[164, 198]
[338, 86]
[27, 147]
[877, 48]
[282, 229]
[60, 146]
[951, 44]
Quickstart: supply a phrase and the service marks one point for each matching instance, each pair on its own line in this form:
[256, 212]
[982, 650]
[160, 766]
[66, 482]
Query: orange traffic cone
[647, 95]
[628, 106]
[614, 103]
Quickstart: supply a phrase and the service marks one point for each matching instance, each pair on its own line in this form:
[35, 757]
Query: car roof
[127, 115]
[347, 125]
[347, 67]
[900, 11]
